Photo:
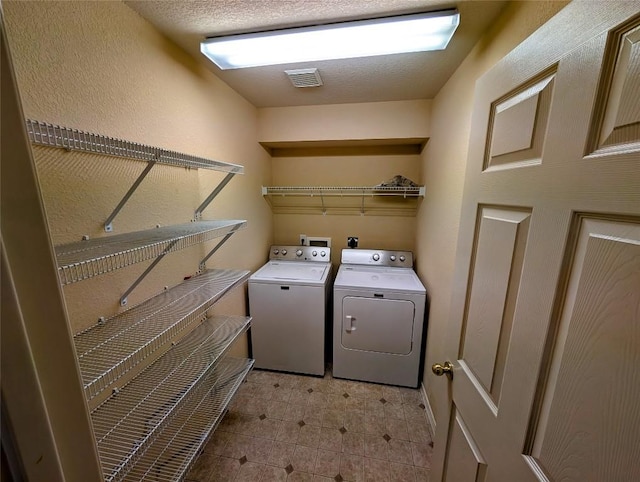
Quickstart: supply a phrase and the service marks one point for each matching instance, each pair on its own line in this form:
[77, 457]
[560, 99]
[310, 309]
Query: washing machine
[288, 299]
[378, 318]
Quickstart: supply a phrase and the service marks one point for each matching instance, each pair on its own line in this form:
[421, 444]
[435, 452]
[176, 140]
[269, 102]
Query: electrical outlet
[303, 240]
[352, 241]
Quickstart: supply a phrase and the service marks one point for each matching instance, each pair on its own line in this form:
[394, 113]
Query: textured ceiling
[372, 79]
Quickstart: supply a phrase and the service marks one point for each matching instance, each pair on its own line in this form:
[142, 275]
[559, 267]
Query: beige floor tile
[217, 442]
[300, 396]
[336, 401]
[250, 472]
[330, 439]
[317, 399]
[281, 394]
[414, 411]
[203, 468]
[281, 454]
[411, 395]
[400, 452]
[294, 412]
[353, 443]
[332, 418]
[374, 407]
[288, 432]
[225, 469]
[276, 409]
[394, 410]
[422, 474]
[322, 478]
[273, 474]
[401, 473]
[265, 427]
[375, 470]
[397, 428]
[421, 455]
[355, 403]
[313, 416]
[327, 463]
[419, 431]
[392, 394]
[300, 477]
[309, 436]
[352, 467]
[354, 420]
[374, 425]
[376, 447]
[304, 459]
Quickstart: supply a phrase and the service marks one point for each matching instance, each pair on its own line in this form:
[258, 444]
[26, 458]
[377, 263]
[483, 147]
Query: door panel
[377, 324]
[544, 328]
[595, 356]
[469, 465]
[497, 265]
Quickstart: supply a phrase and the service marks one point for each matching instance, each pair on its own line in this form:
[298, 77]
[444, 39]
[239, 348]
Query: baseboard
[428, 411]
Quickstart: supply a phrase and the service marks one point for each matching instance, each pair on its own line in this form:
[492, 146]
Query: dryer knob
[402, 258]
[299, 252]
[284, 252]
[276, 251]
[376, 257]
[323, 254]
[392, 257]
[314, 253]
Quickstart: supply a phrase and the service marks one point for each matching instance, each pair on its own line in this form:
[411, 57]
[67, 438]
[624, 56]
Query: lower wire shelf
[174, 452]
[135, 418]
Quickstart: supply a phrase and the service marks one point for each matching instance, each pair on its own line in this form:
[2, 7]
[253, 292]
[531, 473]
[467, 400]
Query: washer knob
[276, 251]
[402, 258]
[299, 252]
[376, 257]
[314, 253]
[284, 252]
[323, 254]
[392, 257]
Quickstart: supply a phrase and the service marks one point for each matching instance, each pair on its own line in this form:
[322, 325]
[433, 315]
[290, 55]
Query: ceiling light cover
[364, 38]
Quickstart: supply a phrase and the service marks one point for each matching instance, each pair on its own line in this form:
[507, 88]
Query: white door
[544, 334]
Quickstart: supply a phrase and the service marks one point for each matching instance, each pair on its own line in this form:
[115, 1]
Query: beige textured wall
[99, 67]
[444, 162]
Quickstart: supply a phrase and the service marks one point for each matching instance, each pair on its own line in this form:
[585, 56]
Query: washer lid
[394, 279]
[292, 271]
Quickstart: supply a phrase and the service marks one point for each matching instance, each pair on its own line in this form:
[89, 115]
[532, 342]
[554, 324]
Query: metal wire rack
[44, 134]
[85, 259]
[358, 191]
[173, 453]
[128, 423]
[109, 349]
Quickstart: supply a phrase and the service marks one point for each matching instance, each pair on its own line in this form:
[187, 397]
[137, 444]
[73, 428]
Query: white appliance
[288, 299]
[378, 318]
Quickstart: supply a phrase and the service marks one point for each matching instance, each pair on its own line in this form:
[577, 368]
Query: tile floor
[302, 428]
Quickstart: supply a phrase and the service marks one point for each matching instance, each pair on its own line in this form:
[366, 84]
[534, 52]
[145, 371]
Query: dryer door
[377, 324]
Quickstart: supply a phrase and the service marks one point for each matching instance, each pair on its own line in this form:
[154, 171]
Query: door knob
[445, 368]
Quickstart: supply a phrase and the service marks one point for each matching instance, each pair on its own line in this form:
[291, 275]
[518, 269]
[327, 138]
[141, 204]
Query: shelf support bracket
[108, 224]
[324, 209]
[362, 205]
[123, 298]
[214, 193]
[217, 247]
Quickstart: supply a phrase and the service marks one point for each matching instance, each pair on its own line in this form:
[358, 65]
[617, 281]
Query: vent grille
[304, 77]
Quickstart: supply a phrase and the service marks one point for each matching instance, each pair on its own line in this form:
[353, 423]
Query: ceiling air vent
[304, 77]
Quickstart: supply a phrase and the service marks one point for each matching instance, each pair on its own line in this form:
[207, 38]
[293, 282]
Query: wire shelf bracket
[50, 135]
[198, 214]
[202, 264]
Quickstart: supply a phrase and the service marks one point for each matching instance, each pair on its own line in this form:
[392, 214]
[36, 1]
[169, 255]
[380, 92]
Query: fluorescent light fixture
[363, 38]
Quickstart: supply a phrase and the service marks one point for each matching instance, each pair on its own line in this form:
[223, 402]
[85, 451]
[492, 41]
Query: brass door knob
[445, 368]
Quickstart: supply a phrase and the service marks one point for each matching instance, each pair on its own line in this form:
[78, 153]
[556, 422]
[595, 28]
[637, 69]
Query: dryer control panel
[377, 257]
[300, 253]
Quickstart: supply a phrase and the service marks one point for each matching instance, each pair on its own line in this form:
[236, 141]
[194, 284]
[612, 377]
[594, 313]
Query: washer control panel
[300, 253]
[377, 257]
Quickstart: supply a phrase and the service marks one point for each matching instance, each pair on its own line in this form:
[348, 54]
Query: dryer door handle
[349, 325]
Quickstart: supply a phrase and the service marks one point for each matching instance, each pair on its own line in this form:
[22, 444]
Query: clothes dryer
[378, 313]
[288, 299]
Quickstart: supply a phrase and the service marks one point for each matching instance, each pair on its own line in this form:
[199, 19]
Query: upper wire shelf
[109, 349]
[359, 191]
[85, 259]
[44, 134]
